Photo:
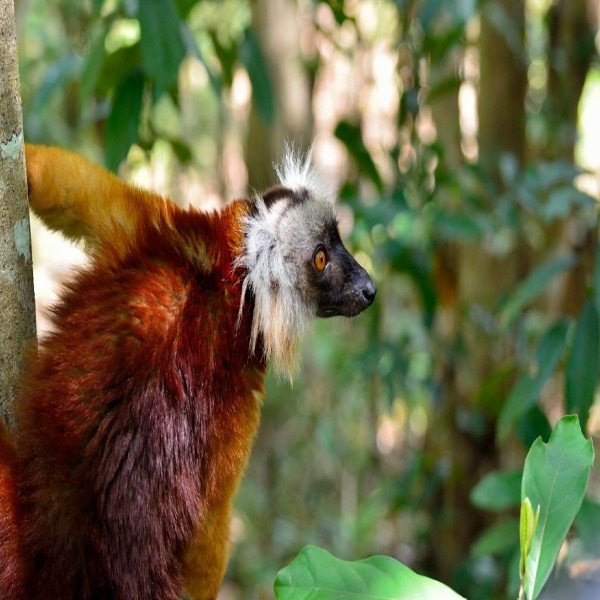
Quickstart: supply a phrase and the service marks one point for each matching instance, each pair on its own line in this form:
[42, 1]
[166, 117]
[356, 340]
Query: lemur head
[296, 264]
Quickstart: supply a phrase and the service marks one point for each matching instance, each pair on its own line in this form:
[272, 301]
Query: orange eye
[320, 260]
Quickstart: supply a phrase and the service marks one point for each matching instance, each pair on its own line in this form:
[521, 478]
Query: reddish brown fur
[139, 411]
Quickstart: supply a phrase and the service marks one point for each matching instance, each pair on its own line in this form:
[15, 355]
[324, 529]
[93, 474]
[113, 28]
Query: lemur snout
[369, 291]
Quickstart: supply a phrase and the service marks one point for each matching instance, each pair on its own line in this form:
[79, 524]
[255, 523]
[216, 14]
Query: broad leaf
[498, 491]
[581, 375]
[533, 286]
[317, 575]
[532, 425]
[350, 135]
[161, 41]
[122, 125]
[526, 391]
[596, 283]
[554, 479]
[92, 66]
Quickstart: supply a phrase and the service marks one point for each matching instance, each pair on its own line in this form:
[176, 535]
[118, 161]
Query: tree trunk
[17, 306]
[276, 23]
[572, 30]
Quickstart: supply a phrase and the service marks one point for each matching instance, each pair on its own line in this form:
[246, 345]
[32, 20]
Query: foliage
[555, 478]
[318, 575]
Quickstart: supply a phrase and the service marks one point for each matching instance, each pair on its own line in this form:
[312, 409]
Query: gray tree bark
[17, 306]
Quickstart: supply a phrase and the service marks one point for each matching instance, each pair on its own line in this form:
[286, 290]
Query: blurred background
[464, 138]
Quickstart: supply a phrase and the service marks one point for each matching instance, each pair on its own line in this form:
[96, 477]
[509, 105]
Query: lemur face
[327, 275]
[296, 264]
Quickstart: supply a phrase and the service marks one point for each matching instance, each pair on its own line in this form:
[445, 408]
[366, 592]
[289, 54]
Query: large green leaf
[122, 125]
[554, 479]
[533, 286]
[596, 281]
[317, 575]
[526, 391]
[263, 95]
[350, 135]
[498, 491]
[92, 65]
[581, 375]
[162, 44]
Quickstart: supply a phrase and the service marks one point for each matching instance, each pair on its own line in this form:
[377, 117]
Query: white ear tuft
[297, 172]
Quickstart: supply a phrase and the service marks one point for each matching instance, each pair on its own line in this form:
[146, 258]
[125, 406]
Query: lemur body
[139, 410]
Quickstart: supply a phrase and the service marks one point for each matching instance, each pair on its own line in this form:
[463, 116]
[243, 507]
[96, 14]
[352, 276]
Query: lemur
[139, 409]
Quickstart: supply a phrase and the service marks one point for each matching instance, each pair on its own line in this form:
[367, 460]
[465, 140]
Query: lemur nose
[369, 292]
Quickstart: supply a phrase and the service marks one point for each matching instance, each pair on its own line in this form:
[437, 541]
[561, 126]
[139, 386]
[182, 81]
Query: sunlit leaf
[581, 375]
[122, 125]
[161, 41]
[533, 286]
[498, 491]
[317, 575]
[554, 478]
[528, 388]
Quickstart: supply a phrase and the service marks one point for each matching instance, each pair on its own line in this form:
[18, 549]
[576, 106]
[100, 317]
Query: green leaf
[532, 425]
[581, 374]
[92, 66]
[227, 55]
[527, 389]
[597, 277]
[533, 286]
[587, 523]
[161, 41]
[497, 491]
[185, 6]
[498, 539]
[528, 522]
[117, 66]
[317, 575]
[457, 227]
[122, 124]
[258, 71]
[350, 135]
[554, 478]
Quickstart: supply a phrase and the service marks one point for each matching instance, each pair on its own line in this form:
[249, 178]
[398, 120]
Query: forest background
[465, 140]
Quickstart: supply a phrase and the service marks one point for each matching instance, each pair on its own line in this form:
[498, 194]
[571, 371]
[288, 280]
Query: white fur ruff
[277, 241]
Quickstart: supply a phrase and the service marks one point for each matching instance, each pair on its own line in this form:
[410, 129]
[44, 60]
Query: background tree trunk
[17, 306]
[277, 26]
